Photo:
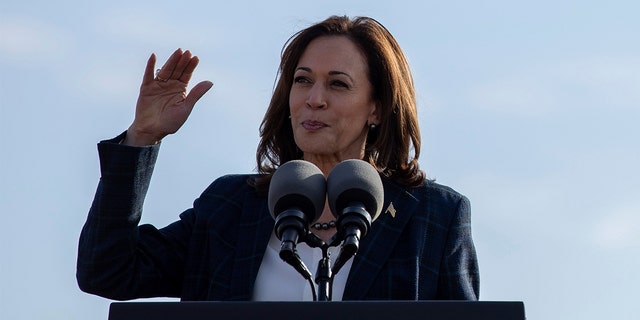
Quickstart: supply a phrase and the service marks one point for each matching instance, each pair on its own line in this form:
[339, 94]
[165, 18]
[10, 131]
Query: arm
[459, 276]
[117, 258]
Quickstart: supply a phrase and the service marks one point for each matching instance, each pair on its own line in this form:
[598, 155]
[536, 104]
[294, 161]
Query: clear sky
[530, 108]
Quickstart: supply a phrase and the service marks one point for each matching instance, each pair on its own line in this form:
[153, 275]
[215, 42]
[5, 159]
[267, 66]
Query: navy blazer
[420, 248]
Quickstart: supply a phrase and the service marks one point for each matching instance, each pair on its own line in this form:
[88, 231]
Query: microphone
[297, 195]
[356, 197]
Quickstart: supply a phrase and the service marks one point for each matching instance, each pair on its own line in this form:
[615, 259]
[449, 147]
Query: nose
[316, 98]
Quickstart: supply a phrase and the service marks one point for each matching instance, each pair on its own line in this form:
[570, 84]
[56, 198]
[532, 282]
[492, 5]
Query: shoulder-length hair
[393, 147]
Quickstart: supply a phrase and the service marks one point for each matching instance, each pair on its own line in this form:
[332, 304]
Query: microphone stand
[323, 273]
[323, 276]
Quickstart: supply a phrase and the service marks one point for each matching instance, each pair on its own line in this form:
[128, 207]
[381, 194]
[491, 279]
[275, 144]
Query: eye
[301, 79]
[338, 83]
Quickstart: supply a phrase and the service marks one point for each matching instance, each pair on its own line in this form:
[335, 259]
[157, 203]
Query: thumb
[197, 92]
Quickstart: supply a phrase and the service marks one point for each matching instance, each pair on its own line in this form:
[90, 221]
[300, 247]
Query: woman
[345, 92]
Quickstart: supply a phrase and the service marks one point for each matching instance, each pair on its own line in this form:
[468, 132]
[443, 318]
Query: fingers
[179, 66]
[149, 69]
[189, 68]
[197, 92]
[169, 66]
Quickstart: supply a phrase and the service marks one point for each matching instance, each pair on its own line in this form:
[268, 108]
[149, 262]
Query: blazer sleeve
[459, 276]
[117, 259]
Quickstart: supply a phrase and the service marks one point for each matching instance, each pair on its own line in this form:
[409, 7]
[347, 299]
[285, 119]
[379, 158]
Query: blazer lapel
[376, 247]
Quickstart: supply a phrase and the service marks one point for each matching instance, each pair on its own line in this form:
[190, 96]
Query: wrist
[136, 138]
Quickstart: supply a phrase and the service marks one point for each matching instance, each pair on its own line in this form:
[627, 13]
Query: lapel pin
[391, 210]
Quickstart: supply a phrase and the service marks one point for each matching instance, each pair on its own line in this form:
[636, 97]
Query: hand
[163, 104]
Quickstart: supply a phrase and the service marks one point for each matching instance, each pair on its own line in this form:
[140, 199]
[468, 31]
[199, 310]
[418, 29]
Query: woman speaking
[345, 91]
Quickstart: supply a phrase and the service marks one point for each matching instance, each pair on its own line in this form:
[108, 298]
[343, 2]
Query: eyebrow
[307, 69]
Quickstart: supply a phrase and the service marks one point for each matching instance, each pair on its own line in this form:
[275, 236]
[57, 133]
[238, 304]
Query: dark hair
[389, 146]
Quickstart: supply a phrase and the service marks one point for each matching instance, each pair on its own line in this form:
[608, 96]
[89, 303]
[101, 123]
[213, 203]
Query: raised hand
[163, 104]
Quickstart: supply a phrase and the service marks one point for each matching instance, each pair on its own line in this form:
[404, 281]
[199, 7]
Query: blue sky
[528, 108]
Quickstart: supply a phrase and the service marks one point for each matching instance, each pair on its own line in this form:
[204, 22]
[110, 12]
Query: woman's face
[331, 101]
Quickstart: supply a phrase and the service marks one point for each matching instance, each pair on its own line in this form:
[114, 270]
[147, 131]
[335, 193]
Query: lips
[313, 125]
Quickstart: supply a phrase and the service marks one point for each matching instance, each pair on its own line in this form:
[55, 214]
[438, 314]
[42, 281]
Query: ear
[374, 116]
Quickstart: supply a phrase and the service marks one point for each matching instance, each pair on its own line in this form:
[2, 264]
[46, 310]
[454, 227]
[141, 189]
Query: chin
[313, 146]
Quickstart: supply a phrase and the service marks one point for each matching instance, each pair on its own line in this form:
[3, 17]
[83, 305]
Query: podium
[331, 310]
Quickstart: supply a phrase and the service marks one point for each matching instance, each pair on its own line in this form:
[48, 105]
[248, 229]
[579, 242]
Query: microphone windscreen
[298, 184]
[355, 180]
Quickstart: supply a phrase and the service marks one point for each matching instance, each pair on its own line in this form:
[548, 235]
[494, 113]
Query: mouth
[313, 125]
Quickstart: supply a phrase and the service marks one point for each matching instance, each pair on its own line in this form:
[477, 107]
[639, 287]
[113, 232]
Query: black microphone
[297, 195]
[356, 197]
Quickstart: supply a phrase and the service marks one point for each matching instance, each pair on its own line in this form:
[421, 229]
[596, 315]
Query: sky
[530, 109]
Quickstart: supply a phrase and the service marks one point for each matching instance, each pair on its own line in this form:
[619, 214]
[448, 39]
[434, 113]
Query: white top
[278, 281]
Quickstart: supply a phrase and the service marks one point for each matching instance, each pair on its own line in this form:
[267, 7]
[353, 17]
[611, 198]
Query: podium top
[370, 310]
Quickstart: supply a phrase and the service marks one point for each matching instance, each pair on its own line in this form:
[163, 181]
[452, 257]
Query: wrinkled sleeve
[117, 258]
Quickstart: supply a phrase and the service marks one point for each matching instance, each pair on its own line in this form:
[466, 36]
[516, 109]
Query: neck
[326, 162]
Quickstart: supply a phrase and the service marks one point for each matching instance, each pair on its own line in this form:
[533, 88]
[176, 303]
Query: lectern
[331, 310]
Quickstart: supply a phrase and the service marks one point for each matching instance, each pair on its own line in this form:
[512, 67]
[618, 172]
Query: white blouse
[278, 281]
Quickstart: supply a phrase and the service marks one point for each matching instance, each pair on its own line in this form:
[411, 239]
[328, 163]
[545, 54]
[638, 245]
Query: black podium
[333, 310]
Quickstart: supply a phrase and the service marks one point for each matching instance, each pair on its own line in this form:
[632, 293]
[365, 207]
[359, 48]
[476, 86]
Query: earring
[372, 126]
